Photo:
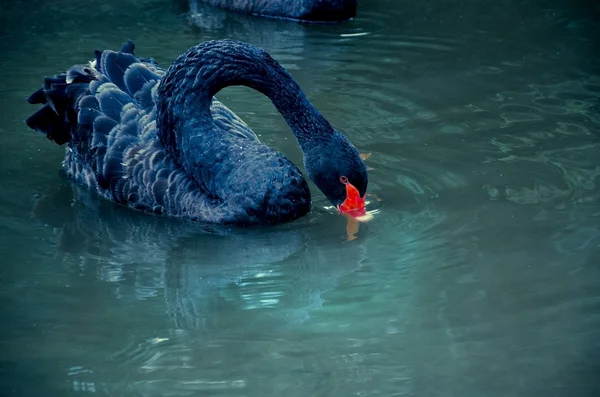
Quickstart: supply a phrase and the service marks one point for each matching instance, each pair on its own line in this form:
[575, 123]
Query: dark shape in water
[300, 10]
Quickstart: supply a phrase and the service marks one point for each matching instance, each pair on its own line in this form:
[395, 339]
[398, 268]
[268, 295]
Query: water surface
[478, 276]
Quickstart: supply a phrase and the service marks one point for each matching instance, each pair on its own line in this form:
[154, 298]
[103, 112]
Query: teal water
[479, 275]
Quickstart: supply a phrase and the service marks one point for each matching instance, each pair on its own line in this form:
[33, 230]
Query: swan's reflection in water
[286, 268]
[225, 294]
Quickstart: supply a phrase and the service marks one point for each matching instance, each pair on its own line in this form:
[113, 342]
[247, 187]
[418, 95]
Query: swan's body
[301, 10]
[158, 141]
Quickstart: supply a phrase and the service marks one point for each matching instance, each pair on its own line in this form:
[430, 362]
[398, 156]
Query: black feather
[98, 166]
[97, 83]
[114, 66]
[56, 80]
[130, 114]
[133, 198]
[128, 47]
[37, 97]
[159, 190]
[99, 140]
[130, 128]
[103, 125]
[88, 101]
[57, 98]
[111, 102]
[87, 116]
[98, 55]
[144, 95]
[113, 168]
[137, 76]
[118, 189]
[48, 122]
[79, 74]
[76, 90]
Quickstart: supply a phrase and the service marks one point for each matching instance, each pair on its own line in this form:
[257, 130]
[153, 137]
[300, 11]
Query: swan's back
[106, 112]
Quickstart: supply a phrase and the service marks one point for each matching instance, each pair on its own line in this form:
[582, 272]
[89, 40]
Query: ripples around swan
[277, 280]
[477, 276]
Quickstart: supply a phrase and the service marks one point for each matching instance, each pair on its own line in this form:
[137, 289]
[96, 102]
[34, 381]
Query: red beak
[354, 205]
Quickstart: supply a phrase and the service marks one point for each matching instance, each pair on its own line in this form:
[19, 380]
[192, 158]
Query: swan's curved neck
[186, 91]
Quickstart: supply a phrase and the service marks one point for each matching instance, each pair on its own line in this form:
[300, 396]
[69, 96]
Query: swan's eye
[343, 179]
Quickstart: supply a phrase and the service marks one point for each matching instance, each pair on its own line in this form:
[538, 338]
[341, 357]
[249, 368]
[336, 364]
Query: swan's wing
[106, 112]
[228, 121]
[117, 112]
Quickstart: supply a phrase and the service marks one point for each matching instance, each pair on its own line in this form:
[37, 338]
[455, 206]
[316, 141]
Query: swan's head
[339, 172]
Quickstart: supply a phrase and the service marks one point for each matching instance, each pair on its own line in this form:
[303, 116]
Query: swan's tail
[62, 97]
[57, 118]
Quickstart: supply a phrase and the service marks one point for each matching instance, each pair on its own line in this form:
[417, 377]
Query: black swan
[301, 10]
[158, 141]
